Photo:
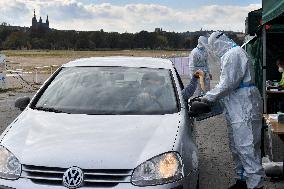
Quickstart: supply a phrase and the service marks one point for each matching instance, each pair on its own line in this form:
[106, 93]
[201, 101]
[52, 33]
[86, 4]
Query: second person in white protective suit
[198, 60]
[243, 106]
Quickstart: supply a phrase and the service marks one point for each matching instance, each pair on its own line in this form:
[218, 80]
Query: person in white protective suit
[243, 107]
[198, 60]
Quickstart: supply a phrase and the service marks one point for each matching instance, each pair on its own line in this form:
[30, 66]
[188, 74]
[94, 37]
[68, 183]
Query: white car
[113, 122]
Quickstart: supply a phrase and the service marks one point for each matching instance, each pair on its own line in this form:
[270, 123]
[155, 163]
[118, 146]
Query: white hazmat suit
[198, 60]
[243, 106]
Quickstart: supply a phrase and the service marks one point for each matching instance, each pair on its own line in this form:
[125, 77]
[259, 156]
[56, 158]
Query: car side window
[179, 79]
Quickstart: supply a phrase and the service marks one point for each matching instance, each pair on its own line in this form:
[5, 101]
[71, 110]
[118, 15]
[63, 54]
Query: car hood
[89, 141]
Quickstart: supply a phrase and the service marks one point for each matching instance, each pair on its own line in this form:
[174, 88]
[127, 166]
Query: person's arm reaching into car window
[189, 90]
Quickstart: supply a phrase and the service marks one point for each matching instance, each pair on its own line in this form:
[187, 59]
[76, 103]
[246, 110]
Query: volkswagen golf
[110, 122]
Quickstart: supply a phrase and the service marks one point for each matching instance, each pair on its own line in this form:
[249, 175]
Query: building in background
[39, 26]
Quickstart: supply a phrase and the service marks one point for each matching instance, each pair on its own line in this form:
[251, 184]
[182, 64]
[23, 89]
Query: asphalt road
[216, 164]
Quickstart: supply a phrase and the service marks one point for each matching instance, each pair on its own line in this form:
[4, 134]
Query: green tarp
[272, 9]
[254, 49]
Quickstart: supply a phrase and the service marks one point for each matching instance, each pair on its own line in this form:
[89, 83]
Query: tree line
[13, 37]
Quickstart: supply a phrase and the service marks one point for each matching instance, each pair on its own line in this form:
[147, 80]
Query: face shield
[218, 45]
[212, 58]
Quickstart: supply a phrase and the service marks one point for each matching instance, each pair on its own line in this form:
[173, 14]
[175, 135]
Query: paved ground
[216, 165]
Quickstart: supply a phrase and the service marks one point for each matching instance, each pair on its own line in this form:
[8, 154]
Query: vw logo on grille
[73, 178]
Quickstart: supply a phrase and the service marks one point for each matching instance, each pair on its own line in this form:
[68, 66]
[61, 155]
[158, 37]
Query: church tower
[34, 21]
[38, 26]
[47, 21]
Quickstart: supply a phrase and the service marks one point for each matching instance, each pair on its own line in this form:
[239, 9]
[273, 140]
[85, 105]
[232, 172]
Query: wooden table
[277, 128]
[273, 139]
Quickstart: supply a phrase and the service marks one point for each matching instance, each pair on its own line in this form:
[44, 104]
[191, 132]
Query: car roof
[120, 61]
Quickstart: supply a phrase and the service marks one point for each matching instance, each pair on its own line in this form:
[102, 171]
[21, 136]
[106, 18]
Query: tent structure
[272, 9]
[265, 44]
[268, 43]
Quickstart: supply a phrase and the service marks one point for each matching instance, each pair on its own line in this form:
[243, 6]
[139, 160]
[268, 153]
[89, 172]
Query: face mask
[280, 69]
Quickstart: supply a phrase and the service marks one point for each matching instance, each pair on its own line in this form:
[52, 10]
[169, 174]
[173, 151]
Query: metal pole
[264, 43]
[2, 71]
[36, 76]
[182, 66]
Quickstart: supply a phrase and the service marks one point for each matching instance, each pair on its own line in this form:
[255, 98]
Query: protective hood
[219, 44]
[202, 41]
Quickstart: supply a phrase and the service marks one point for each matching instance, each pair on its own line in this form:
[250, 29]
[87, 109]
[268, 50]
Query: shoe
[239, 185]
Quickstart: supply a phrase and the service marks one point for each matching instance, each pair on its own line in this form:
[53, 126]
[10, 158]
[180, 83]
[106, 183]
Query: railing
[181, 64]
[36, 75]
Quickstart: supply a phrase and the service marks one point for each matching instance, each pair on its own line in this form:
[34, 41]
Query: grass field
[28, 59]
[78, 54]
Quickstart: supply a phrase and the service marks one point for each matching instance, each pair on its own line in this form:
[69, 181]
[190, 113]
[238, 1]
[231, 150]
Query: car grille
[92, 177]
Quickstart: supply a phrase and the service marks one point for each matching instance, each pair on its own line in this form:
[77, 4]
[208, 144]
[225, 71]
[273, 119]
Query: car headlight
[10, 167]
[161, 169]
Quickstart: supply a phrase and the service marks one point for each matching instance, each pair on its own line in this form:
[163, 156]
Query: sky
[131, 15]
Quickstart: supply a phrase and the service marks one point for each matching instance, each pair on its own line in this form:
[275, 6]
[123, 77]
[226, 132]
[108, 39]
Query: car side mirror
[22, 102]
[197, 108]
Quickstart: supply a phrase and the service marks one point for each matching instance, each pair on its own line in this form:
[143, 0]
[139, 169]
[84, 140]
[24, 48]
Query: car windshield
[109, 90]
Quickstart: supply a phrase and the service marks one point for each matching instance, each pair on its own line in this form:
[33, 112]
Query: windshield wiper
[47, 109]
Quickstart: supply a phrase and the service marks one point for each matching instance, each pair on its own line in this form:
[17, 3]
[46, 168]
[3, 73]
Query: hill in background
[16, 37]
